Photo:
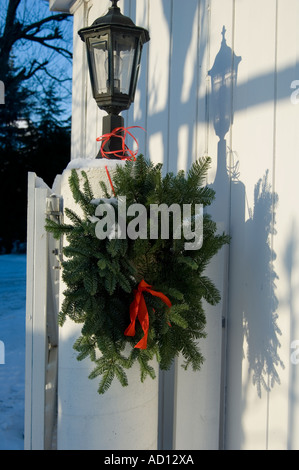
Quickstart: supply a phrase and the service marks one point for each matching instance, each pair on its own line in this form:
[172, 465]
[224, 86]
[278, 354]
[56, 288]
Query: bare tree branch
[59, 80]
[35, 66]
[15, 31]
[29, 75]
[37, 25]
[42, 40]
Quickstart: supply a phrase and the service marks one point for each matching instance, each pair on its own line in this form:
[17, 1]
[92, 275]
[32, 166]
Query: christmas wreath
[140, 297]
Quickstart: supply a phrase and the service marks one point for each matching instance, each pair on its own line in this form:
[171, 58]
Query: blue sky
[25, 51]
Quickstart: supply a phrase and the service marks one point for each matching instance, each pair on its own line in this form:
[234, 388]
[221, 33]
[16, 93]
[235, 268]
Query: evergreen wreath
[102, 276]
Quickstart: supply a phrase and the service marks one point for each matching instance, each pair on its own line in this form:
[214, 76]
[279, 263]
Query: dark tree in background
[35, 67]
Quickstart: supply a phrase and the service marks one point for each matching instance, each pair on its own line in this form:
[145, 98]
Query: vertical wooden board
[178, 139]
[197, 424]
[79, 80]
[39, 342]
[203, 83]
[283, 404]
[254, 94]
[140, 106]
[250, 289]
[53, 275]
[51, 400]
[197, 394]
[183, 85]
[137, 114]
[54, 253]
[160, 25]
[129, 10]
[29, 311]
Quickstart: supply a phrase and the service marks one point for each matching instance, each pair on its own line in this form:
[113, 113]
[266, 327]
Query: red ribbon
[110, 180]
[125, 153]
[138, 310]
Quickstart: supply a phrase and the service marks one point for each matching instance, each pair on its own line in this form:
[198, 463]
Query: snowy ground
[12, 334]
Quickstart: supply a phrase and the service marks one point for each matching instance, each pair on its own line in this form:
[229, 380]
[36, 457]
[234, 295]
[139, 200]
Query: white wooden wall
[246, 396]
[263, 303]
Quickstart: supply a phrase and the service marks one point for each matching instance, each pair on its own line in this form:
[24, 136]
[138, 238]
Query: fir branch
[104, 189]
[121, 375]
[80, 197]
[145, 368]
[107, 378]
[175, 317]
[57, 229]
[73, 217]
[88, 193]
[198, 172]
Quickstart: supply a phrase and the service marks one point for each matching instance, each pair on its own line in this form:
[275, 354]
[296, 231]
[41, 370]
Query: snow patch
[81, 163]
[12, 333]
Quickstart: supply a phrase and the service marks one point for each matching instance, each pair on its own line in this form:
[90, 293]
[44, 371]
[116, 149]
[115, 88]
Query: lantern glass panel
[99, 63]
[123, 59]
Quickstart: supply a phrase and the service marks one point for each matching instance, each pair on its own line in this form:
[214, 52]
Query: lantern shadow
[252, 321]
[224, 78]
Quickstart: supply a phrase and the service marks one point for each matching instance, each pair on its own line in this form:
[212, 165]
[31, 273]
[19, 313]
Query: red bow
[138, 310]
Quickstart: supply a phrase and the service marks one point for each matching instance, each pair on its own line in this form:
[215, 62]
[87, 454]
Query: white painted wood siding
[246, 396]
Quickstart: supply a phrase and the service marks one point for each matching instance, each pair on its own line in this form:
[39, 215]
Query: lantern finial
[223, 32]
[114, 3]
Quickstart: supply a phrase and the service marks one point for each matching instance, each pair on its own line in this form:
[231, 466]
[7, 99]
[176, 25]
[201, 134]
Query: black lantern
[114, 46]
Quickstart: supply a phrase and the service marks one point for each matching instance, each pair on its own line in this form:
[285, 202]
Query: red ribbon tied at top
[138, 310]
[125, 153]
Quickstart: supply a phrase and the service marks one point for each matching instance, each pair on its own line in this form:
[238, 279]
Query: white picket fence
[41, 320]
